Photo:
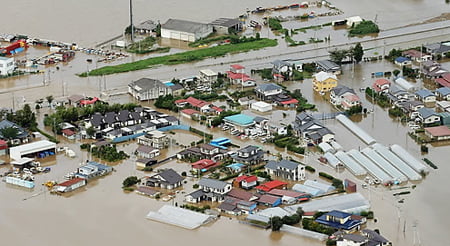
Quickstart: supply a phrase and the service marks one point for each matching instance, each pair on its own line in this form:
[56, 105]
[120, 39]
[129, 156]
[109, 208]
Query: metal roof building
[31, 149]
[326, 147]
[396, 162]
[403, 83]
[307, 189]
[179, 217]
[332, 160]
[321, 186]
[408, 158]
[350, 203]
[366, 138]
[385, 165]
[371, 167]
[350, 164]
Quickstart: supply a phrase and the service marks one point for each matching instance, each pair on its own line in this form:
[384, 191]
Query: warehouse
[37, 149]
[185, 30]
[261, 106]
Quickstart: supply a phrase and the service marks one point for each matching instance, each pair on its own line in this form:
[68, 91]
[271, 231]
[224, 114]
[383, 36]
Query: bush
[365, 27]
[195, 186]
[310, 169]
[147, 169]
[430, 163]
[276, 223]
[326, 175]
[130, 181]
[423, 148]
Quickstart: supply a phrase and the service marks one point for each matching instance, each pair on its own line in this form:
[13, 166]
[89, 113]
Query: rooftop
[146, 84]
[184, 26]
[240, 119]
[438, 131]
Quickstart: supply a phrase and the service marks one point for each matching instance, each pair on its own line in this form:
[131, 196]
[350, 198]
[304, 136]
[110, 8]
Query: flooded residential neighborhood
[269, 129]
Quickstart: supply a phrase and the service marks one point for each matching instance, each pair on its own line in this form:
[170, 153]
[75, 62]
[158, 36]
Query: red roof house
[381, 85]
[203, 165]
[268, 186]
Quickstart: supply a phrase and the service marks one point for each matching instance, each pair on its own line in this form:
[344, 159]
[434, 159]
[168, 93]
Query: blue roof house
[443, 93]
[402, 61]
[239, 121]
[428, 116]
[425, 96]
[340, 221]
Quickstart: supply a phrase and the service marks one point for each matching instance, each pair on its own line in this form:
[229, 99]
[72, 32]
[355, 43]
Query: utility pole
[131, 21]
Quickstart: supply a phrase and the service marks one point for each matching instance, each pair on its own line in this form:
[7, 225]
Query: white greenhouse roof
[350, 203]
[408, 158]
[397, 162]
[179, 217]
[385, 165]
[350, 164]
[355, 129]
[371, 167]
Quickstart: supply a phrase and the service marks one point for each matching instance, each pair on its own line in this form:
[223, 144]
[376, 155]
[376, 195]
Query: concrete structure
[6, 66]
[148, 89]
[208, 76]
[261, 106]
[286, 169]
[185, 30]
[32, 149]
[324, 82]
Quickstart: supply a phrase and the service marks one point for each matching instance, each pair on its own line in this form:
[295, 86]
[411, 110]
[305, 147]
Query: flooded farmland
[102, 214]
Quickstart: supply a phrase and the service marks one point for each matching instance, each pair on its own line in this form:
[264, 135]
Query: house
[340, 221]
[92, 169]
[438, 133]
[445, 118]
[428, 116]
[195, 196]
[324, 81]
[269, 200]
[402, 61]
[22, 135]
[443, 106]
[295, 64]
[350, 100]
[337, 94]
[148, 89]
[226, 26]
[246, 181]
[266, 92]
[443, 79]
[215, 190]
[381, 86]
[396, 94]
[207, 76]
[328, 67]
[7, 66]
[443, 93]
[311, 130]
[432, 69]
[286, 169]
[239, 122]
[147, 191]
[229, 206]
[190, 113]
[268, 186]
[411, 108]
[69, 134]
[70, 185]
[279, 78]
[249, 155]
[416, 55]
[281, 67]
[203, 165]
[167, 179]
[185, 30]
[375, 239]
[438, 49]
[147, 152]
[155, 139]
[241, 195]
[425, 96]
[146, 27]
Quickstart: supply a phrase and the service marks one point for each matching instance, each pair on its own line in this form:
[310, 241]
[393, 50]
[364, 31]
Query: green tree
[276, 223]
[357, 52]
[90, 131]
[130, 181]
[396, 72]
[338, 55]
[9, 132]
[25, 117]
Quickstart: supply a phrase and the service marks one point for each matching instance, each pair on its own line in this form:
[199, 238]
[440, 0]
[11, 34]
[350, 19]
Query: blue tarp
[174, 127]
[127, 138]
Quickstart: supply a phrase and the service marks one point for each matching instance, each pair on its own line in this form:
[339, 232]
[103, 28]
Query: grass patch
[184, 57]
[363, 28]
[145, 44]
[156, 50]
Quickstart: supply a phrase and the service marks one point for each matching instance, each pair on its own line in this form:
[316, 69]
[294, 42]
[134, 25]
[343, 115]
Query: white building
[148, 89]
[286, 170]
[185, 30]
[261, 106]
[32, 149]
[6, 66]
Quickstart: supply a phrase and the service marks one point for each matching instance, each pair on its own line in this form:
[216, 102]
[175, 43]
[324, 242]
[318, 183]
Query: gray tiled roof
[147, 84]
[268, 87]
[212, 183]
[184, 26]
[283, 163]
[171, 176]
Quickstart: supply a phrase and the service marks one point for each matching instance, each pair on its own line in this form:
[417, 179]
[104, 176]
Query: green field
[184, 57]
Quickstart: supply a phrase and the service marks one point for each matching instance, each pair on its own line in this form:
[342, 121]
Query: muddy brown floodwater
[102, 214]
